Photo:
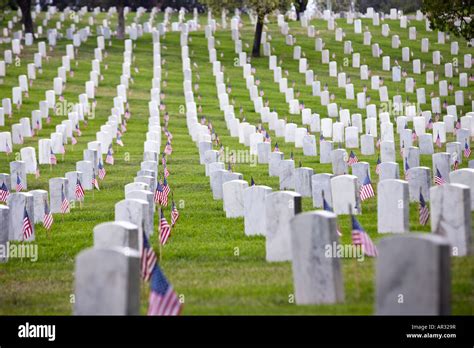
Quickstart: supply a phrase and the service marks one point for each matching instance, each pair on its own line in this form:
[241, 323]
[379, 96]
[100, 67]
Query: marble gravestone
[286, 173]
[233, 198]
[280, 208]
[17, 202]
[134, 211]
[419, 181]
[303, 181]
[4, 230]
[413, 275]
[40, 197]
[450, 212]
[393, 211]
[345, 194]
[57, 188]
[317, 278]
[147, 196]
[321, 188]
[108, 235]
[464, 176]
[255, 209]
[107, 282]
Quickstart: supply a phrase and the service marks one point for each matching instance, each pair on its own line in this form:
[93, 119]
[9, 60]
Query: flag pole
[356, 268]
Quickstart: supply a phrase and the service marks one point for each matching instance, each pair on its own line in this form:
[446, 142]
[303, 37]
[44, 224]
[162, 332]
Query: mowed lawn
[208, 259]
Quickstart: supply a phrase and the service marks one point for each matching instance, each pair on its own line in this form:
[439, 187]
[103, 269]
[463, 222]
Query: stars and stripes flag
[413, 136]
[165, 229]
[109, 159]
[95, 182]
[119, 140]
[430, 124]
[19, 184]
[438, 141]
[174, 214]
[166, 191]
[276, 149]
[123, 126]
[158, 192]
[327, 207]
[321, 138]
[8, 149]
[27, 228]
[102, 171]
[166, 172]
[407, 167]
[352, 158]
[163, 159]
[456, 165]
[252, 182]
[168, 148]
[366, 190]
[48, 216]
[148, 259]
[424, 211]
[360, 237]
[52, 157]
[467, 150]
[163, 300]
[78, 130]
[79, 190]
[73, 140]
[37, 172]
[64, 202]
[439, 180]
[4, 192]
[377, 167]
[267, 139]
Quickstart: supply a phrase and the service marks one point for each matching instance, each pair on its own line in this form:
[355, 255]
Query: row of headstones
[237, 196]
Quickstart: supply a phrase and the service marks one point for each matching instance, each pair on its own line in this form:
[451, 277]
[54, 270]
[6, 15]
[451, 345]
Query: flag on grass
[19, 184]
[79, 191]
[352, 158]
[377, 167]
[276, 149]
[148, 259]
[438, 141]
[366, 190]
[163, 300]
[4, 192]
[64, 202]
[102, 171]
[73, 140]
[439, 180]
[424, 211]
[52, 157]
[48, 216]
[78, 130]
[8, 150]
[174, 214]
[166, 172]
[164, 229]
[168, 148]
[119, 140]
[360, 237]
[95, 182]
[158, 192]
[407, 167]
[109, 159]
[166, 191]
[456, 165]
[27, 228]
[467, 150]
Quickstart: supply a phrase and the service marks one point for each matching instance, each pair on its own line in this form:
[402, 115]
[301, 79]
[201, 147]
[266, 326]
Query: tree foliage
[455, 16]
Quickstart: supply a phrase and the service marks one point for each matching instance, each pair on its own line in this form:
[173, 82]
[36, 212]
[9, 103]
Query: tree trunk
[258, 37]
[25, 6]
[121, 22]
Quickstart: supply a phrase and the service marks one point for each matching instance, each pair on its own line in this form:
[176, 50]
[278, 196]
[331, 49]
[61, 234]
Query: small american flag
[352, 159]
[424, 211]
[168, 148]
[27, 228]
[73, 140]
[37, 172]
[19, 184]
[109, 159]
[4, 192]
[48, 216]
[102, 171]
[158, 192]
[148, 259]
[166, 191]
[366, 191]
[123, 126]
[456, 165]
[252, 182]
[64, 202]
[430, 124]
[407, 167]
[95, 182]
[163, 299]
[8, 149]
[378, 143]
[327, 207]
[119, 140]
[164, 229]
[268, 139]
[166, 172]
[439, 180]
[377, 167]
[174, 214]
[78, 130]
[467, 150]
[413, 136]
[438, 141]
[276, 149]
[52, 157]
[360, 237]
[79, 191]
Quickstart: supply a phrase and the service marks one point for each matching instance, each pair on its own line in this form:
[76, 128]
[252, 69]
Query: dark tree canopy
[455, 16]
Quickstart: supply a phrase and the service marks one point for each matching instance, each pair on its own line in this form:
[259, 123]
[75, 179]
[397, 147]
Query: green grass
[208, 259]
